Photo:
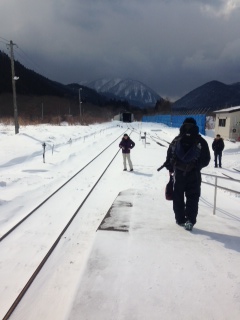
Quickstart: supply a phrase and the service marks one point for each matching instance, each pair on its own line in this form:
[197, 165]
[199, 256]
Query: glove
[169, 167]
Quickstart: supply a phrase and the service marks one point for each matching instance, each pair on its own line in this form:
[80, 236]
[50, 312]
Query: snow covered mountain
[135, 92]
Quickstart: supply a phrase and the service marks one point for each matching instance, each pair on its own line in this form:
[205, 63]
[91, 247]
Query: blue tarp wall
[176, 121]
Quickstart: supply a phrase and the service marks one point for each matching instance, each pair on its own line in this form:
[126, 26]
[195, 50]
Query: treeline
[38, 97]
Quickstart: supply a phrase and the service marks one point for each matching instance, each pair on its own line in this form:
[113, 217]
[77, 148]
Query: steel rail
[52, 194]
[50, 251]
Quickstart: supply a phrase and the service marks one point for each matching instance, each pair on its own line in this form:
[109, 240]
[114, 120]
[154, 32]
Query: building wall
[223, 131]
[125, 117]
[176, 121]
[232, 125]
[235, 126]
[117, 117]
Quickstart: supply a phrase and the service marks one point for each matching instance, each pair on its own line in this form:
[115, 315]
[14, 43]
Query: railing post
[215, 196]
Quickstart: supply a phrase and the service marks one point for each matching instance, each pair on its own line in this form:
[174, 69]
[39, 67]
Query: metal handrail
[215, 185]
[224, 178]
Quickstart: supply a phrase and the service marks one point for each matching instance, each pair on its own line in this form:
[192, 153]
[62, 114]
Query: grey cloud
[172, 46]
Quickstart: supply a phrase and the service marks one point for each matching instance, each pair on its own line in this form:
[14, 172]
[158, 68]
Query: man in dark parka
[187, 178]
[218, 146]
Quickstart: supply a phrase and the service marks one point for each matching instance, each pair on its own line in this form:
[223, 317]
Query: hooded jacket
[126, 145]
[189, 135]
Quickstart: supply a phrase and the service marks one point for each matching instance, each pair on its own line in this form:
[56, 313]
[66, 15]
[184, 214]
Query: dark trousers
[186, 185]
[218, 156]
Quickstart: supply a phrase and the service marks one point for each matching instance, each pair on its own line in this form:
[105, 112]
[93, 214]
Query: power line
[34, 64]
[28, 58]
[14, 78]
[5, 39]
[7, 45]
[4, 42]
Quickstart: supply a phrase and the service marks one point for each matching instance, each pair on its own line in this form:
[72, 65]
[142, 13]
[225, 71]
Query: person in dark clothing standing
[218, 146]
[126, 145]
[187, 154]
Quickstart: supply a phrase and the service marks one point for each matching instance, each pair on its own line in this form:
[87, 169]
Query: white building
[227, 123]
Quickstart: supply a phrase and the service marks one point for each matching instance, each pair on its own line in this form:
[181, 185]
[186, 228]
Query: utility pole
[14, 78]
[80, 104]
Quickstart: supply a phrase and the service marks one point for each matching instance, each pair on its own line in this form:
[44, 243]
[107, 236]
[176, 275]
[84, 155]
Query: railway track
[15, 225]
[21, 229]
[70, 199]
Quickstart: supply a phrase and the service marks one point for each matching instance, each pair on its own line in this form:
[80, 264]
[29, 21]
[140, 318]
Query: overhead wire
[4, 39]
[19, 52]
[5, 43]
[24, 58]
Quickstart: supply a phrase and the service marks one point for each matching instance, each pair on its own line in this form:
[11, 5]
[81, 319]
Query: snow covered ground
[152, 270]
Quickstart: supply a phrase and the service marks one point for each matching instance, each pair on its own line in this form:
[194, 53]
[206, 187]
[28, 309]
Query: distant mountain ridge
[212, 95]
[31, 83]
[135, 92]
[97, 92]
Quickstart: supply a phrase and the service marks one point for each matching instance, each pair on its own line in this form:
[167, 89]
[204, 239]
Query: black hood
[189, 129]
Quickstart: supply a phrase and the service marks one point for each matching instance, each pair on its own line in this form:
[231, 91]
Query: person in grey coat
[126, 145]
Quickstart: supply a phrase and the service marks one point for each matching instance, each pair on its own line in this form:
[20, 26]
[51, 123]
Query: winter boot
[188, 225]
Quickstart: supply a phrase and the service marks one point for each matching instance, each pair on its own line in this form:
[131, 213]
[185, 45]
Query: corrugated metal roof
[231, 109]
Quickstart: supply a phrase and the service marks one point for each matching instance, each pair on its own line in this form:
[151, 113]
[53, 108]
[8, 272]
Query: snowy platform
[135, 263]
[155, 269]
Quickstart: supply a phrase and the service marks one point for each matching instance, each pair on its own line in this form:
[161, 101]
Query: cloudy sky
[173, 46]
